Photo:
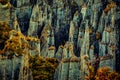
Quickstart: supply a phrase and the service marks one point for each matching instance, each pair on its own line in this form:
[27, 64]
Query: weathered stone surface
[12, 69]
[5, 12]
[83, 27]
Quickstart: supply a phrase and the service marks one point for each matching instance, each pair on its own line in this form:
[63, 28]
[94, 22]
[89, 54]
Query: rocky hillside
[75, 32]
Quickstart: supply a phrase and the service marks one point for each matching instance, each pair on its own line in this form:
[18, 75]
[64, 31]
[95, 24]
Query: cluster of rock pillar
[90, 31]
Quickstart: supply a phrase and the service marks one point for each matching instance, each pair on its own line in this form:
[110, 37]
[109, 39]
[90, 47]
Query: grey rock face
[82, 27]
[15, 69]
[3, 10]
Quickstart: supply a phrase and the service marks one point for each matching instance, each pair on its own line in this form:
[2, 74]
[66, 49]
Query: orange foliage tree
[103, 73]
[109, 7]
[4, 33]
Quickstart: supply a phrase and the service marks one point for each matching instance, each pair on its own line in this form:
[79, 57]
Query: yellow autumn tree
[104, 73]
[42, 69]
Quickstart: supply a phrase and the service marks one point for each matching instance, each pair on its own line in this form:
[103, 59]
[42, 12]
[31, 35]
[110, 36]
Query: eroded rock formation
[69, 30]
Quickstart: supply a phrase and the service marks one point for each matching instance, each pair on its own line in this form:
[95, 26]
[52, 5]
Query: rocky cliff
[69, 30]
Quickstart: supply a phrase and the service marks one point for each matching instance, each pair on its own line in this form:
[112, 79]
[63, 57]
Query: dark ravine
[67, 30]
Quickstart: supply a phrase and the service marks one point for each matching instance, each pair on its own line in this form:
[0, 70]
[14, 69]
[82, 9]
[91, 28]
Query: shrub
[42, 69]
[4, 33]
[13, 41]
[103, 73]
[15, 44]
[51, 48]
